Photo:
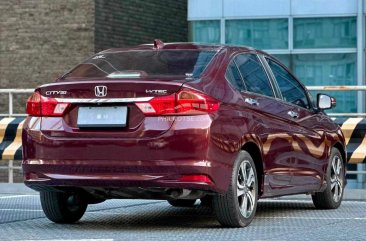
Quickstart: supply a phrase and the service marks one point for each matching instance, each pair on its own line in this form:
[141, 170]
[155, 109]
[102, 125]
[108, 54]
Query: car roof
[186, 46]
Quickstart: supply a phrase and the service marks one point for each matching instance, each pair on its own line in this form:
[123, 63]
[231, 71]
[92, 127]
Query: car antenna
[158, 44]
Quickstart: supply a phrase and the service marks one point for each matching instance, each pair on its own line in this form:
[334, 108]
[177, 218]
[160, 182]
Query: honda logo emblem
[100, 91]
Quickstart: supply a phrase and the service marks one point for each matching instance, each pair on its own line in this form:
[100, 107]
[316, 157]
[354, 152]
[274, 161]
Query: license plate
[111, 116]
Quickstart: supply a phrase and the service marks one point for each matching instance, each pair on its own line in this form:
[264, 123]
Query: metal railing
[10, 167]
[341, 88]
[12, 92]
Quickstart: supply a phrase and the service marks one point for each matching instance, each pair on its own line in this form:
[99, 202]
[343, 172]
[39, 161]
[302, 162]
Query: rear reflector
[196, 178]
[185, 102]
[38, 105]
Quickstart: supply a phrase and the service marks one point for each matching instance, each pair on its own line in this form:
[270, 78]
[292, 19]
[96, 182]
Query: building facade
[41, 39]
[321, 41]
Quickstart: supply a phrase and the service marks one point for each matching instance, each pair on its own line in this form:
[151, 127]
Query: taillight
[34, 104]
[185, 102]
[38, 105]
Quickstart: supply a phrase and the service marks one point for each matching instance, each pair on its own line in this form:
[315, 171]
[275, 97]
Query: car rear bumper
[159, 162]
[116, 174]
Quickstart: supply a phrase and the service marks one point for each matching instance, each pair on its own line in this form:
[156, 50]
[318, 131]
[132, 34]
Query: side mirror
[325, 102]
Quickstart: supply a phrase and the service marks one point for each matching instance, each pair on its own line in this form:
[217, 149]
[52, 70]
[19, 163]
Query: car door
[308, 136]
[261, 99]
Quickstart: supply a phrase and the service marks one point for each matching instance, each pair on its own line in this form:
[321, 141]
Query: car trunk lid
[104, 95]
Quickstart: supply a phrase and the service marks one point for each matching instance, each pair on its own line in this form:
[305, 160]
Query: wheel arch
[342, 150]
[256, 154]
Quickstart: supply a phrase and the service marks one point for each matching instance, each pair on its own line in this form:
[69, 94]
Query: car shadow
[160, 215]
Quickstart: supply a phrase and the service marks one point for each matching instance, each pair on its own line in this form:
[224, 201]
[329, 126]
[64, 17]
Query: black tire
[61, 207]
[182, 202]
[331, 197]
[227, 206]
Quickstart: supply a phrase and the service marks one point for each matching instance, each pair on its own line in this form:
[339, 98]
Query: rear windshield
[144, 64]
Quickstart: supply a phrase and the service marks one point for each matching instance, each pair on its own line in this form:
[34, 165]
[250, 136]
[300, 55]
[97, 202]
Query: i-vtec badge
[56, 92]
[156, 92]
[99, 57]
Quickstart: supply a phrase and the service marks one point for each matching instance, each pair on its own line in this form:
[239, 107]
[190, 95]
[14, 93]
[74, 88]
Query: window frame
[311, 104]
[274, 90]
[232, 61]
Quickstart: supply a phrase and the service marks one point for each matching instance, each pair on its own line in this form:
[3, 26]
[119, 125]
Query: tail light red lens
[38, 105]
[196, 178]
[185, 102]
[34, 104]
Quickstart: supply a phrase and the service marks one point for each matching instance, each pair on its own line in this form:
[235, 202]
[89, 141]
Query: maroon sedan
[181, 122]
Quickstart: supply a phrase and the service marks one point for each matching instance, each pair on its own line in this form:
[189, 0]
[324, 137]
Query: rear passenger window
[252, 71]
[291, 89]
[233, 76]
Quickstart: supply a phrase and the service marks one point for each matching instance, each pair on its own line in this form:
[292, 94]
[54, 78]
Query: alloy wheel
[336, 178]
[246, 188]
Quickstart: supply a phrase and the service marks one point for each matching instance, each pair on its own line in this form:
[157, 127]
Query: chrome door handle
[293, 114]
[251, 101]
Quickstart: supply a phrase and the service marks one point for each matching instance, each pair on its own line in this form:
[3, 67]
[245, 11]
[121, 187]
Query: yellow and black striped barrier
[354, 130]
[11, 138]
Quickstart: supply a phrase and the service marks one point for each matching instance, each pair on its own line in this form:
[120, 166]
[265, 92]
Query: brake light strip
[107, 100]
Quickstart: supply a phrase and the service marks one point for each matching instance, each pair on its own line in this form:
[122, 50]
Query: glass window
[144, 64]
[290, 88]
[329, 69]
[233, 76]
[258, 33]
[204, 31]
[334, 32]
[255, 78]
